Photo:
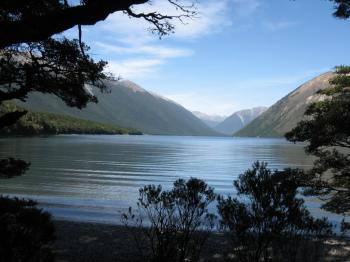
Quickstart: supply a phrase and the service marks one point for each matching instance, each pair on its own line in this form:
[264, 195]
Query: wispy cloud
[134, 68]
[278, 25]
[142, 60]
[212, 17]
[152, 50]
[133, 51]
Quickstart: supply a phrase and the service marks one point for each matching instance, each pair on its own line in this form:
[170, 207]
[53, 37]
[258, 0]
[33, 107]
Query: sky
[236, 54]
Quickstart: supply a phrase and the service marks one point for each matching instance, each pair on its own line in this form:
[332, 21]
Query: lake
[94, 178]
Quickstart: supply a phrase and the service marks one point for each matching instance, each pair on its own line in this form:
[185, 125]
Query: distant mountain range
[229, 125]
[209, 120]
[238, 120]
[287, 112]
[127, 105]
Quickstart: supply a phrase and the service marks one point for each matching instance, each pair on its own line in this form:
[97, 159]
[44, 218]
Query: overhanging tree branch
[40, 27]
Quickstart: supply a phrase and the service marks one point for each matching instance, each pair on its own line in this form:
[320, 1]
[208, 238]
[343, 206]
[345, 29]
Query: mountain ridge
[288, 111]
[127, 104]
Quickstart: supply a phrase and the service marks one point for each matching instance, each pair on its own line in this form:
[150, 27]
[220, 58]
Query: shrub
[172, 225]
[268, 221]
[26, 232]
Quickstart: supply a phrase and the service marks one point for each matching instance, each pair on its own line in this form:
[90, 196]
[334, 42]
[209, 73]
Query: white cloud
[153, 50]
[128, 46]
[145, 59]
[212, 17]
[134, 68]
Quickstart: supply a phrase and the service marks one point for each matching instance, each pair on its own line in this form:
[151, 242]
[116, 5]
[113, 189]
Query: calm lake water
[94, 178]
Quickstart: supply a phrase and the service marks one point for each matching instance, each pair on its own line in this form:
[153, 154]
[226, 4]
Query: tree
[34, 57]
[327, 134]
[172, 225]
[342, 8]
[268, 220]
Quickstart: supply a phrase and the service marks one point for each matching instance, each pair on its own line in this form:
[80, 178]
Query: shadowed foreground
[97, 242]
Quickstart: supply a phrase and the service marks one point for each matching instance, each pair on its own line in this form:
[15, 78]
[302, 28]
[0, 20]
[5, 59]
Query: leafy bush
[26, 232]
[172, 225]
[268, 221]
[11, 167]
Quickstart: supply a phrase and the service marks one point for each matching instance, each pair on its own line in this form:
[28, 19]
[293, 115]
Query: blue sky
[237, 54]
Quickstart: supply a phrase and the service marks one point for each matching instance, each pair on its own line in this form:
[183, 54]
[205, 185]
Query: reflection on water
[94, 177]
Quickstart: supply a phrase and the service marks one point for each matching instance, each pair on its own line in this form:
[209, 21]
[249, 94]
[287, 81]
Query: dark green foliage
[327, 134]
[11, 167]
[268, 220]
[35, 123]
[56, 66]
[172, 225]
[26, 232]
[36, 20]
[342, 8]
[10, 118]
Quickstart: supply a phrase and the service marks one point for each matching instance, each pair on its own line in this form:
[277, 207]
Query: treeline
[40, 123]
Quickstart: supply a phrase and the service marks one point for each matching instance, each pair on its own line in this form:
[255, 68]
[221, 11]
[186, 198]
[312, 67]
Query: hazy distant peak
[239, 119]
[202, 115]
[209, 120]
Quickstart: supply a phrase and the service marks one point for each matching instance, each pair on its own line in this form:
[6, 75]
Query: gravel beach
[89, 242]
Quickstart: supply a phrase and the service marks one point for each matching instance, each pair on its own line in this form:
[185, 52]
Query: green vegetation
[327, 134]
[38, 123]
[174, 217]
[26, 232]
[268, 222]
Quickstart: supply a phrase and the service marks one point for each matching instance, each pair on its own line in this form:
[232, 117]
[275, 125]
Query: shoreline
[90, 242]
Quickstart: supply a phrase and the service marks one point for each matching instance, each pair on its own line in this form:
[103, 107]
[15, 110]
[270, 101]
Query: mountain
[128, 105]
[287, 112]
[209, 120]
[238, 120]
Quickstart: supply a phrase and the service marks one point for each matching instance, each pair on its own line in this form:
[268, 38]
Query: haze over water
[93, 178]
